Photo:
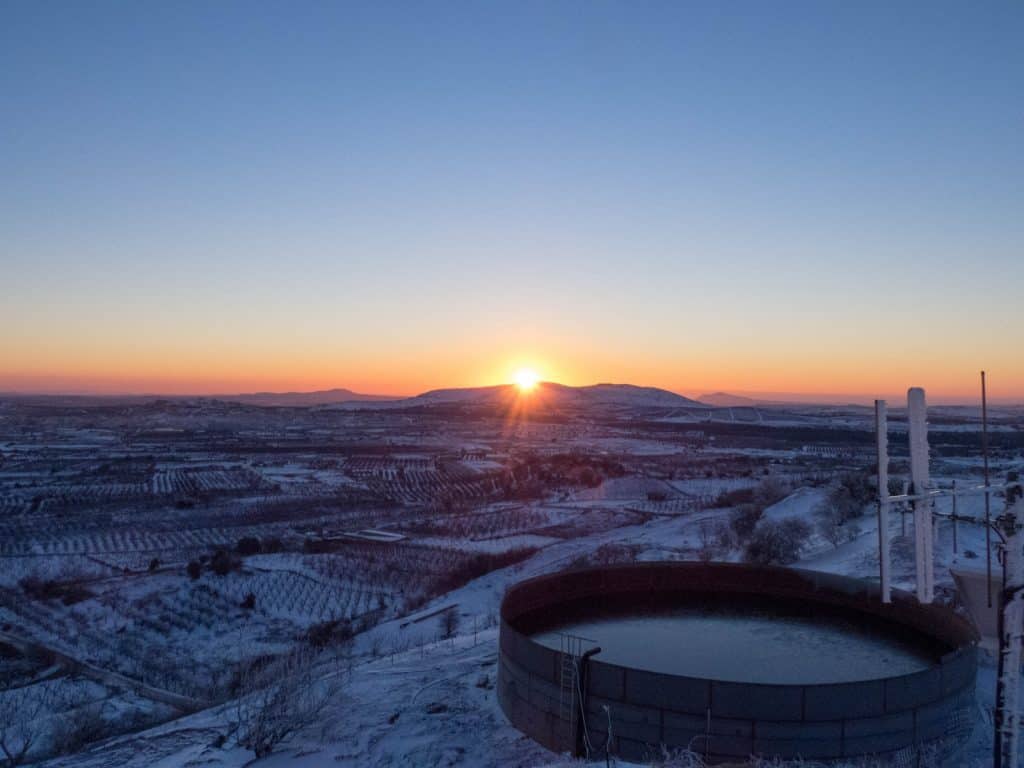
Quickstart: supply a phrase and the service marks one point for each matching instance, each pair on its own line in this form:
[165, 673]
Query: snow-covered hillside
[411, 698]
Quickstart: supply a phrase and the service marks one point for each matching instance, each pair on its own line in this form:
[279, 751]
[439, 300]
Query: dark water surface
[746, 646]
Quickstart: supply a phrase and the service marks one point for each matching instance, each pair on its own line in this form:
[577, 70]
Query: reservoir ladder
[571, 649]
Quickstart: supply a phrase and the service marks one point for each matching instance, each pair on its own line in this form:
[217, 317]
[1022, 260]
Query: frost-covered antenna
[924, 560]
[1009, 526]
[920, 496]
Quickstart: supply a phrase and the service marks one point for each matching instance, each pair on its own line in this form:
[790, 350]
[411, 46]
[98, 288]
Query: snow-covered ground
[442, 498]
[412, 698]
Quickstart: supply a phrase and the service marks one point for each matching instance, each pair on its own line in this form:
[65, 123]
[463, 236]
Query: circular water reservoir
[747, 644]
[732, 661]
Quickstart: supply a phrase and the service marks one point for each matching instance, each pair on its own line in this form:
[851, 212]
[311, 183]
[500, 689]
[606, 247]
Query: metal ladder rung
[571, 648]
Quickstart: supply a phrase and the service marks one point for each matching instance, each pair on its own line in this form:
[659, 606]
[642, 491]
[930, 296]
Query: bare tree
[449, 622]
[707, 546]
[833, 526]
[278, 699]
[829, 524]
[76, 728]
[777, 541]
[770, 491]
[23, 715]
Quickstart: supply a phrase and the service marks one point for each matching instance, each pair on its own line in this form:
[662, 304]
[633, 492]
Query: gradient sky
[796, 197]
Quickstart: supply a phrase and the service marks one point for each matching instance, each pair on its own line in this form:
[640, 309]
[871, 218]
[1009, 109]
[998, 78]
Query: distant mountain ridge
[548, 393]
[300, 399]
[726, 400]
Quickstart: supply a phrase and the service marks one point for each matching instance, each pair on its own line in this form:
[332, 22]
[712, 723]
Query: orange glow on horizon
[194, 371]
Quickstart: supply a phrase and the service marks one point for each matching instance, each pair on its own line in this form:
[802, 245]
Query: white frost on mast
[917, 418]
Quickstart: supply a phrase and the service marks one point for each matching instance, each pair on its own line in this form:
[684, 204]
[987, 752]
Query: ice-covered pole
[882, 435]
[1011, 622]
[917, 418]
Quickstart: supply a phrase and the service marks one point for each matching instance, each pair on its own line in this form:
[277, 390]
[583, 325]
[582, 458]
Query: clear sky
[391, 197]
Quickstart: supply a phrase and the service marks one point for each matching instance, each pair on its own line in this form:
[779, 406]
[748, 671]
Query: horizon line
[763, 398]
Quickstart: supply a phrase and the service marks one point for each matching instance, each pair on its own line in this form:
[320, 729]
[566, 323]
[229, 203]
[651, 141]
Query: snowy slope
[413, 700]
[801, 503]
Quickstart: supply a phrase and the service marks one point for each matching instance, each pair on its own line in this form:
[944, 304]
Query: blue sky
[396, 196]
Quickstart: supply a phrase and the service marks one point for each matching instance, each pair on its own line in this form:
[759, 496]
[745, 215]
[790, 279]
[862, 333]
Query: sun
[526, 379]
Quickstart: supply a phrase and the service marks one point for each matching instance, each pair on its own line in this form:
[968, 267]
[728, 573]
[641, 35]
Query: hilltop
[552, 394]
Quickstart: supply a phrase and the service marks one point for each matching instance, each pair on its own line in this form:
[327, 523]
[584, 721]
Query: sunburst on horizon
[526, 379]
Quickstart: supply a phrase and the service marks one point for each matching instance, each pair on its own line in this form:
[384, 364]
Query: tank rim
[958, 632]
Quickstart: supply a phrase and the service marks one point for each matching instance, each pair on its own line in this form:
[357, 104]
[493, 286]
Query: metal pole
[988, 513]
[903, 510]
[882, 434]
[917, 429]
[954, 517]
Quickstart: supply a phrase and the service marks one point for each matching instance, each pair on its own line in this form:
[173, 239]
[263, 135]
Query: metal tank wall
[727, 720]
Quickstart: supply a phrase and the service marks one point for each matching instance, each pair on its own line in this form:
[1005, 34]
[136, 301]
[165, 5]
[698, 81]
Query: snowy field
[150, 570]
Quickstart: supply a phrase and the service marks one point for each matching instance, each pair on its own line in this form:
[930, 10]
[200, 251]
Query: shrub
[744, 520]
[734, 498]
[777, 542]
[846, 500]
[271, 545]
[222, 562]
[154, 564]
[610, 553]
[68, 592]
[479, 564]
[707, 550]
[249, 602]
[193, 569]
[725, 539]
[859, 486]
[248, 545]
[829, 524]
[328, 632]
[769, 492]
[1013, 495]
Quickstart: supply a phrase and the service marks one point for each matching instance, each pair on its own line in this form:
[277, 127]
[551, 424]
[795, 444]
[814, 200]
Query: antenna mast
[988, 512]
[882, 434]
